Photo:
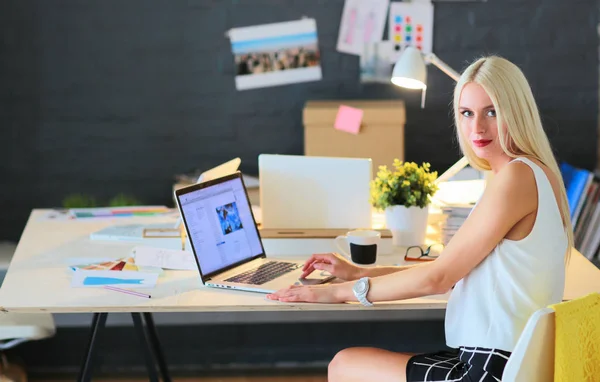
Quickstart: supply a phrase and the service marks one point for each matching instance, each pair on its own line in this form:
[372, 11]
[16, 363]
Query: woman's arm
[384, 270]
[510, 197]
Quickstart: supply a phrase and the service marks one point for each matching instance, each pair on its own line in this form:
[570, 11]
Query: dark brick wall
[112, 96]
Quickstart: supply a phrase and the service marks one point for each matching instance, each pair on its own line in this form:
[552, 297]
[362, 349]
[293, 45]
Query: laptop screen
[220, 225]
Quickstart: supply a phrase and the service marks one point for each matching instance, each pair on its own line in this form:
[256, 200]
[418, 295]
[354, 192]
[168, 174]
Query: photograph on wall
[362, 21]
[411, 24]
[229, 218]
[376, 62]
[276, 54]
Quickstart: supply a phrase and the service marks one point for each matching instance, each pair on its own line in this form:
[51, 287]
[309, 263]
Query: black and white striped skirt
[465, 364]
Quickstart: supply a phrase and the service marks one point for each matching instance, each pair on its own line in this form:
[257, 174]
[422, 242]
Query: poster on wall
[376, 62]
[276, 54]
[411, 24]
[363, 21]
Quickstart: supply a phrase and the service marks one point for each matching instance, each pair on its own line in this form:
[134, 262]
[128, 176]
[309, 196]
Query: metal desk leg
[147, 333]
[98, 323]
[146, 344]
[158, 354]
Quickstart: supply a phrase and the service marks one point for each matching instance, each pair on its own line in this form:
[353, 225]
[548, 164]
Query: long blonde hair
[516, 109]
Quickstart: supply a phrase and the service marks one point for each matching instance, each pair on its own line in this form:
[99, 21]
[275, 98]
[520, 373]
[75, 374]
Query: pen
[182, 234]
[127, 291]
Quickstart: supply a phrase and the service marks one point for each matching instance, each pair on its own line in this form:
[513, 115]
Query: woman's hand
[313, 293]
[333, 263]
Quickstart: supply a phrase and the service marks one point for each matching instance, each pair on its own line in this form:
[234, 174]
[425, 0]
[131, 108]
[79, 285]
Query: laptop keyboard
[264, 273]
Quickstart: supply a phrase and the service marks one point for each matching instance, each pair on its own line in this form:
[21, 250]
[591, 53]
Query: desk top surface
[38, 279]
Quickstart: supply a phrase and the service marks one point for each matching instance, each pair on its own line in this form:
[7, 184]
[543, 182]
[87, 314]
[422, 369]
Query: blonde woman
[506, 261]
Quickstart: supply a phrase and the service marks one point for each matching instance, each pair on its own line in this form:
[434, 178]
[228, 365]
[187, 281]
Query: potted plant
[79, 201]
[404, 193]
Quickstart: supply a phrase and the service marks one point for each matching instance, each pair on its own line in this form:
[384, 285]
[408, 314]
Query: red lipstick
[482, 142]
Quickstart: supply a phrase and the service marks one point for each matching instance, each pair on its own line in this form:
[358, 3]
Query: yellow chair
[532, 359]
[561, 342]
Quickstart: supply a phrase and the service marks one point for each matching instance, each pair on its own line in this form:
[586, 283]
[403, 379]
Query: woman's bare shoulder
[516, 180]
[552, 178]
[554, 181]
[519, 170]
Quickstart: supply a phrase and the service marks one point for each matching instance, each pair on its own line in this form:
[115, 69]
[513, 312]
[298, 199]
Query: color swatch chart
[406, 33]
[411, 24]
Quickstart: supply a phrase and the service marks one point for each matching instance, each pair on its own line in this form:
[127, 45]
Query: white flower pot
[407, 224]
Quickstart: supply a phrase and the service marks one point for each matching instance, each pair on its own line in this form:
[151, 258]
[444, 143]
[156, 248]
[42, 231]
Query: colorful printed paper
[348, 119]
[276, 54]
[86, 213]
[362, 21]
[411, 24]
[125, 279]
[377, 62]
[125, 264]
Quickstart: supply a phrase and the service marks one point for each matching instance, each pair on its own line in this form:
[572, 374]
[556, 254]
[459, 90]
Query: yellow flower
[406, 184]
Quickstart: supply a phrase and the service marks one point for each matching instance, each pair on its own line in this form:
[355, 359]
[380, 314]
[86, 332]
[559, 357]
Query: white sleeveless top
[491, 305]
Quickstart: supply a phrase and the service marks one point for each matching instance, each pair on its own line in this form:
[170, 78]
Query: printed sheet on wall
[363, 21]
[276, 54]
[411, 24]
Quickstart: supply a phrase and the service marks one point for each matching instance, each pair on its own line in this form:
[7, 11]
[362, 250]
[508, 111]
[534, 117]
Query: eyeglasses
[416, 253]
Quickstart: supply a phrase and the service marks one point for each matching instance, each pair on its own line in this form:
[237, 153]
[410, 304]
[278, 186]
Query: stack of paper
[140, 269]
[455, 217]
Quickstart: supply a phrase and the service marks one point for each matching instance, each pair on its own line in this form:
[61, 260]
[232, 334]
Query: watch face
[360, 287]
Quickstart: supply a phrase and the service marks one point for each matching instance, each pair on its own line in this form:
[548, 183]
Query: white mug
[360, 246]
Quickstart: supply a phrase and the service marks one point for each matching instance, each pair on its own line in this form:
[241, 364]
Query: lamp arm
[462, 162]
[441, 65]
[453, 170]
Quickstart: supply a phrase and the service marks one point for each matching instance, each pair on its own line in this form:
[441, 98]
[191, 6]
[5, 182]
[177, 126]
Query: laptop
[226, 242]
[223, 169]
[309, 192]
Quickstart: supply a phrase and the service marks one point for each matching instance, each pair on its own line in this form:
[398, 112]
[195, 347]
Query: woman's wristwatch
[360, 289]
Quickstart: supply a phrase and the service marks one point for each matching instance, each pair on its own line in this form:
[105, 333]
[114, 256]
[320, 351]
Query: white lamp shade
[409, 71]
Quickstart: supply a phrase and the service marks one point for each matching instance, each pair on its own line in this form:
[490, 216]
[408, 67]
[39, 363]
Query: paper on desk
[115, 212]
[164, 258]
[128, 279]
[122, 264]
[57, 215]
[348, 119]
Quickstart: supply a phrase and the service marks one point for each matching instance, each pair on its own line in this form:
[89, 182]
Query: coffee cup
[360, 246]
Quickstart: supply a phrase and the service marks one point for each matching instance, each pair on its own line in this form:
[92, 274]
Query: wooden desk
[38, 281]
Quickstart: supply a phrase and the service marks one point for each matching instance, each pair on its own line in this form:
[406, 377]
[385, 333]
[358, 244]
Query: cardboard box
[381, 135]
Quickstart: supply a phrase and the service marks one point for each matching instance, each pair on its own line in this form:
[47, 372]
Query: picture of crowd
[277, 60]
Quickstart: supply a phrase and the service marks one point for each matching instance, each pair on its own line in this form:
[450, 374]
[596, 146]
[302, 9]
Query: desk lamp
[410, 72]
